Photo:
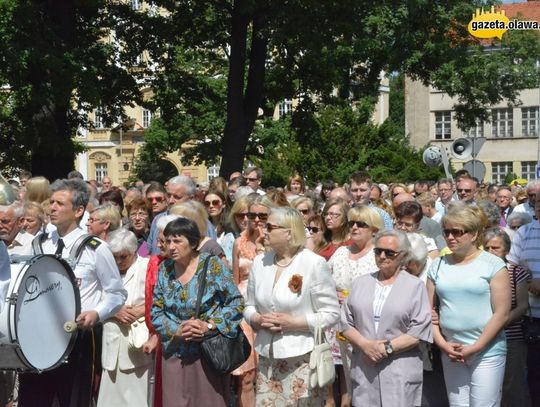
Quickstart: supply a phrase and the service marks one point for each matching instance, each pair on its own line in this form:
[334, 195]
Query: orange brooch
[295, 283]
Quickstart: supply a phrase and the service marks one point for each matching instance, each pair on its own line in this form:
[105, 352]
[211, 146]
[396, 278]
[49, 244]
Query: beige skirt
[285, 382]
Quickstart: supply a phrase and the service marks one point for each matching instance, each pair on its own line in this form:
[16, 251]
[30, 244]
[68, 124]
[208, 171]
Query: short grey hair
[78, 189]
[498, 232]
[123, 240]
[492, 212]
[419, 250]
[164, 220]
[191, 188]
[404, 245]
[534, 184]
[523, 216]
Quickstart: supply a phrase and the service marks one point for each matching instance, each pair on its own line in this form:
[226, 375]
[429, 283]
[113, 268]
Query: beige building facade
[511, 136]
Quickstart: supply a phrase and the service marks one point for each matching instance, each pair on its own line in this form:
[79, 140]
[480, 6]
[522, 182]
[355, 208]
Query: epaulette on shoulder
[93, 243]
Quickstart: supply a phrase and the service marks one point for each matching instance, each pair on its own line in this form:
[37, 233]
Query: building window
[101, 171]
[528, 170]
[476, 131]
[136, 4]
[502, 122]
[213, 172]
[499, 171]
[443, 122]
[98, 118]
[285, 108]
[146, 118]
[529, 117]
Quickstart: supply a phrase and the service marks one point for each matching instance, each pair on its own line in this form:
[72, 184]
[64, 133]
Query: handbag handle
[318, 332]
[202, 286]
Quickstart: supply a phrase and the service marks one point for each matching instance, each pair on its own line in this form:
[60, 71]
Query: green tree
[271, 50]
[60, 60]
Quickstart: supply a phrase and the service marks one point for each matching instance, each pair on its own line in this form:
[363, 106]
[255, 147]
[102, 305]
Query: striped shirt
[518, 276]
[525, 252]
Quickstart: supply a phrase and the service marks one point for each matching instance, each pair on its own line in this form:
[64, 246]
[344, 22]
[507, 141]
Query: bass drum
[42, 296]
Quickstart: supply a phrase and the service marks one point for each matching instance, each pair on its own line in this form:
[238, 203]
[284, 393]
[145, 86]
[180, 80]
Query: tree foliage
[60, 60]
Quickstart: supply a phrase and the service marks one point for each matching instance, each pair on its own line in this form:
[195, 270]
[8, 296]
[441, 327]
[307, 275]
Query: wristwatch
[388, 348]
[210, 326]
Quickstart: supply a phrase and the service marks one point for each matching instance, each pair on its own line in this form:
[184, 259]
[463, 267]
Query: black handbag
[224, 354]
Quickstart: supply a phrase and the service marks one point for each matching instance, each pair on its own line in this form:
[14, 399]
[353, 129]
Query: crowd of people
[421, 289]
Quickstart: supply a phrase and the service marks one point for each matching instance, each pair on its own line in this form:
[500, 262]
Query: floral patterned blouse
[175, 303]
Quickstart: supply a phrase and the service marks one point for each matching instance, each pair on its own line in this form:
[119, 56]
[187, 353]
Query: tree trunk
[242, 107]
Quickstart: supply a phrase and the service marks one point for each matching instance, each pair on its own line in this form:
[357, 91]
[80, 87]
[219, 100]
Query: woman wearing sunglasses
[290, 293]
[218, 212]
[385, 317]
[472, 291]
[251, 214]
[337, 229]
[347, 263]
[316, 230]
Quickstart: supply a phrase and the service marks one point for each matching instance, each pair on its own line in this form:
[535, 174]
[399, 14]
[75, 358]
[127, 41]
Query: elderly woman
[515, 220]
[515, 391]
[33, 219]
[385, 318]
[139, 223]
[290, 292]
[103, 220]
[472, 290]
[124, 381]
[347, 263]
[188, 380]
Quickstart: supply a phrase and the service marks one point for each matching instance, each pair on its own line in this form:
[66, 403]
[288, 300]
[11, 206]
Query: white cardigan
[317, 301]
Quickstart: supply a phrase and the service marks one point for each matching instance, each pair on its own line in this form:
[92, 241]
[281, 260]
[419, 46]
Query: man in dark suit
[503, 200]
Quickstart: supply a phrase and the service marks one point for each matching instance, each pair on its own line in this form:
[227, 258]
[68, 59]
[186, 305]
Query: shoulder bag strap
[202, 286]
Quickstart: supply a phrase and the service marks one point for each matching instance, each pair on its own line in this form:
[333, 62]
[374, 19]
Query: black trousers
[73, 383]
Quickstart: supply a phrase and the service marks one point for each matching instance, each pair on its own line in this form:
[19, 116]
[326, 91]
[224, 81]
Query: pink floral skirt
[285, 382]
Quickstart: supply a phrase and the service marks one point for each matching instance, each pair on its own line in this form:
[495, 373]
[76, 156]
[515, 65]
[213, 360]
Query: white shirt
[22, 244]
[5, 273]
[525, 208]
[96, 273]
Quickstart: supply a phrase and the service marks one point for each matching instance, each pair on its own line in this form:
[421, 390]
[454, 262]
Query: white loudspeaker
[432, 156]
[462, 148]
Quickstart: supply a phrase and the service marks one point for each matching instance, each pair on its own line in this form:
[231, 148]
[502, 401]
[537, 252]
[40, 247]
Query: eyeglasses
[304, 211]
[333, 215]
[254, 215]
[157, 199]
[241, 215]
[515, 227]
[215, 202]
[359, 224]
[390, 254]
[252, 179]
[92, 220]
[402, 224]
[506, 198]
[269, 227]
[444, 189]
[313, 229]
[466, 190]
[454, 232]
[140, 214]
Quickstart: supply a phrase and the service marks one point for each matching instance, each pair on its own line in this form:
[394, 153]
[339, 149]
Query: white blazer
[317, 301]
[115, 335]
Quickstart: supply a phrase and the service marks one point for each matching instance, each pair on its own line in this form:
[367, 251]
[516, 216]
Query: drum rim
[12, 312]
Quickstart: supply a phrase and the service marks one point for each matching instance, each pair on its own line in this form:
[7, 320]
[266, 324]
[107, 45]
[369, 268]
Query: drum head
[47, 298]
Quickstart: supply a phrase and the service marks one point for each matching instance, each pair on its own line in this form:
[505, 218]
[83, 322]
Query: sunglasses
[252, 179]
[454, 232]
[390, 254]
[313, 229]
[304, 211]
[241, 215]
[156, 199]
[466, 190]
[359, 224]
[516, 227]
[215, 202]
[254, 215]
[269, 227]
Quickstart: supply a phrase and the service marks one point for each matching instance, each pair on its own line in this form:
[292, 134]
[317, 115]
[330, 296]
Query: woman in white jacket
[126, 367]
[290, 292]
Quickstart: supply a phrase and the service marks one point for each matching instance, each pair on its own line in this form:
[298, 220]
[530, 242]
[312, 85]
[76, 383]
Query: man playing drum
[102, 295]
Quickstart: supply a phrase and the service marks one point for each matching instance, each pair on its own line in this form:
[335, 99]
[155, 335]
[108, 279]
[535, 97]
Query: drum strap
[76, 250]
